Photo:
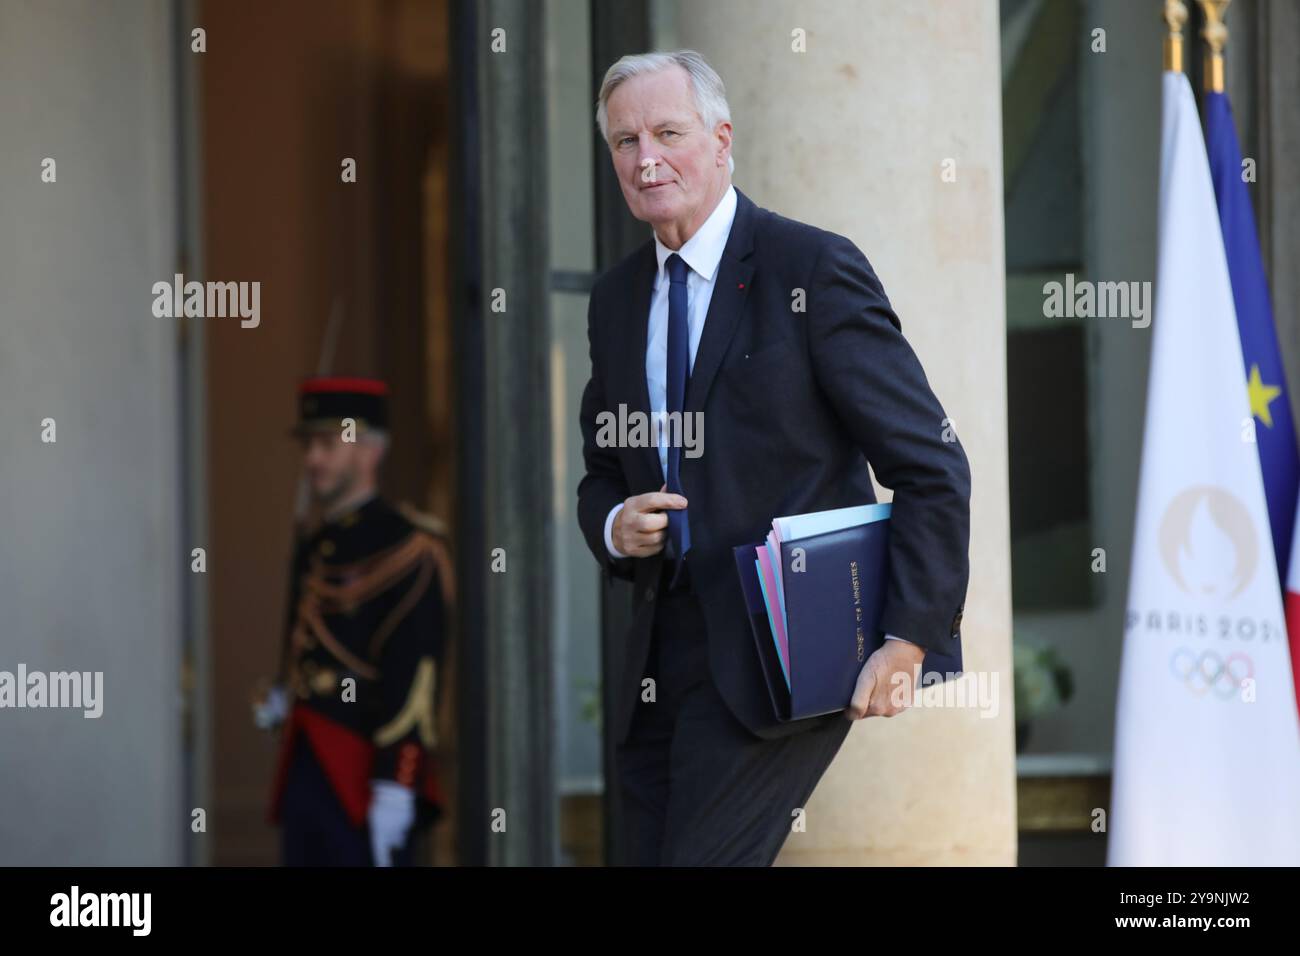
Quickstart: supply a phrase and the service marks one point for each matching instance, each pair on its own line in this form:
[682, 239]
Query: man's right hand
[641, 527]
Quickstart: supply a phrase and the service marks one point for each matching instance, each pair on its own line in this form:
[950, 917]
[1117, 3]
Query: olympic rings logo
[1208, 673]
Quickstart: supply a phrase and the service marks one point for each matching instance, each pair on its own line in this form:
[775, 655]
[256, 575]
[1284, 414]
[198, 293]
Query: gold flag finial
[1175, 17]
[1215, 33]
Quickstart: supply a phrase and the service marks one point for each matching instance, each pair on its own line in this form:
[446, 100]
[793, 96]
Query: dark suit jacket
[796, 402]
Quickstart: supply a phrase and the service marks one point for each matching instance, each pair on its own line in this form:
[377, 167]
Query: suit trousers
[698, 788]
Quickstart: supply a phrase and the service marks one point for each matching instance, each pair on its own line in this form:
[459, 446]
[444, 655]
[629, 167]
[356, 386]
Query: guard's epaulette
[423, 520]
[437, 529]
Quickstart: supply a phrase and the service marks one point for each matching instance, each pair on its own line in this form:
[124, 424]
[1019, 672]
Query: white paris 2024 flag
[1207, 742]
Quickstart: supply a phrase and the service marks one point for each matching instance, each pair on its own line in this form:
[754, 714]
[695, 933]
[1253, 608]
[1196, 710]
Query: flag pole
[1175, 17]
[1215, 33]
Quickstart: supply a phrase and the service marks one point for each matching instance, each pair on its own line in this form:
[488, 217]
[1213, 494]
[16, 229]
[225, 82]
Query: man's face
[671, 168]
[334, 468]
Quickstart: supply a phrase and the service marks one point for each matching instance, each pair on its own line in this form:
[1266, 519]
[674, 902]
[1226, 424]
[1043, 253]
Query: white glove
[272, 709]
[392, 811]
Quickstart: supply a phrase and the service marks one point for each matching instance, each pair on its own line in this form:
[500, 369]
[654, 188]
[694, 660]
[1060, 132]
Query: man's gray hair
[710, 94]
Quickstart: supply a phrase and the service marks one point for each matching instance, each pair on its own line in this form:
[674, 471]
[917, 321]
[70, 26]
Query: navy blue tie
[679, 371]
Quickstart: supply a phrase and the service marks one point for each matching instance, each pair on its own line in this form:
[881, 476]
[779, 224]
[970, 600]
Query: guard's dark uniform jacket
[368, 597]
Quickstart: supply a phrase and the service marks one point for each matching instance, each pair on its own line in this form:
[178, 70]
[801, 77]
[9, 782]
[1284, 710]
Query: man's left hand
[879, 693]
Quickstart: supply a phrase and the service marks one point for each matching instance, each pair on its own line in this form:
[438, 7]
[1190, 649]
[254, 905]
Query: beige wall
[91, 556]
[850, 136]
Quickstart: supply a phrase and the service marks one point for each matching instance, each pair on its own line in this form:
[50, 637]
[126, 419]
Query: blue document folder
[834, 597]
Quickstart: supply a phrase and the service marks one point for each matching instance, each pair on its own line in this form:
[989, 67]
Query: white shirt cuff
[891, 637]
[609, 530]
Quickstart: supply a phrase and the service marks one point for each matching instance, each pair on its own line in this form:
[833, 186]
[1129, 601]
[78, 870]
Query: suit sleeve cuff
[609, 530]
[891, 637]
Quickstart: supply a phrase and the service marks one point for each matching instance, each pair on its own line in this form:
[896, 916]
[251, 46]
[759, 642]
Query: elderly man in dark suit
[778, 337]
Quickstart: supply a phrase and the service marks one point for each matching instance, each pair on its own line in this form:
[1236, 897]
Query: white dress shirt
[702, 253]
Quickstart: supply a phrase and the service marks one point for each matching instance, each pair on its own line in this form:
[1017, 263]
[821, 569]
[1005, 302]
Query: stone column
[853, 136]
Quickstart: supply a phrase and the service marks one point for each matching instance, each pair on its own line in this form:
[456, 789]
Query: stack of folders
[815, 591]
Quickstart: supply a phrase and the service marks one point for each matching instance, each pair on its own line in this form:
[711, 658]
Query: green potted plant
[1043, 684]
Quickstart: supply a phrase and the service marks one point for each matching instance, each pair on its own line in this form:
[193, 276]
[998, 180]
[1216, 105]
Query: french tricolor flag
[1273, 428]
[1291, 600]
[1206, 768]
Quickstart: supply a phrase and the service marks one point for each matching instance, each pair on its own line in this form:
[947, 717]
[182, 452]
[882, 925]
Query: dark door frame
[616, 30]
[504, 724]
[507, 793]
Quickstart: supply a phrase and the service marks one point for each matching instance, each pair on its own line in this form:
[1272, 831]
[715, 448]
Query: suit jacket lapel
[634, 362]
[727, 305]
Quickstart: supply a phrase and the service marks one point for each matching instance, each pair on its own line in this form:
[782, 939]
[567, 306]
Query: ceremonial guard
[369, 593]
